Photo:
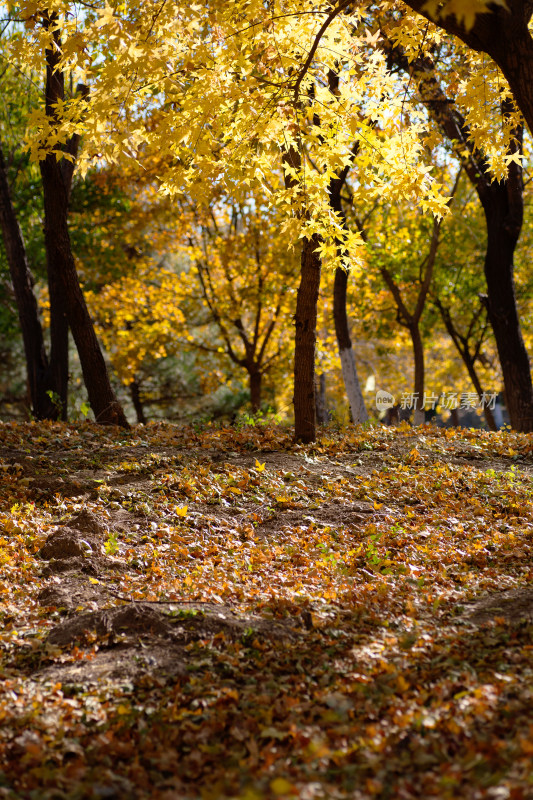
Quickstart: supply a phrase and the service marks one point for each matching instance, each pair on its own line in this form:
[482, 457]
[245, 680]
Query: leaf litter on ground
[226, 614]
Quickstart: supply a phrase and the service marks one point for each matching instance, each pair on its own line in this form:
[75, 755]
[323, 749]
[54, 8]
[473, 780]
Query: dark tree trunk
[57, 178]
[469, 360]
[39, 379]
[305, 323]
[504, 220]
[305, 342]
[320, 400]
[255, 390]
[418, 355]
[58, 341]
[135, 394]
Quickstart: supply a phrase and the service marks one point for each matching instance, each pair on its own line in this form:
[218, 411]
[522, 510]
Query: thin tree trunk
[57, 177]
[37, 366]
[474, 377]
[255, 390]
[349, 368]
[135, 394]
[462, 347]
[320, 400]
[305, 342]
[58, 341]
[340, 316]
[418, 354]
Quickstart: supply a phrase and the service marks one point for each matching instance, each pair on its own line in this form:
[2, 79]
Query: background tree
[501, 197]
[67, 303]
[245, 270]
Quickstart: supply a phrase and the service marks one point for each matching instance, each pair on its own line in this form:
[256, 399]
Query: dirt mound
[134, 619]
[87, 522]
[515, 605]
[68, 542]
[181, 625]
[70, 594]
[77, 547]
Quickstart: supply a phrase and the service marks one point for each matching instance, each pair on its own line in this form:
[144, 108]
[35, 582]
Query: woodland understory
[222, 613]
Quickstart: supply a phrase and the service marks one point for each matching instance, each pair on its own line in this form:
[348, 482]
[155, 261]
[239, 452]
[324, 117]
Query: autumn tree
[42, 373]
[67, 303]
[245, 270]
[226, 96]
[501, 30]
[503, 33]
[501, 197]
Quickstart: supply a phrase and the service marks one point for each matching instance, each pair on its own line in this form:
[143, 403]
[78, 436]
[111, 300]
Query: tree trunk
[305, 342]
[418, 354]
[474, 377]
[135, 394]
[58, 342]
[37, 366]
[462, 347]
[56, 176]
[62, 269]
[503, 228]
[349, 368]
[320, 400]
[255, 390]
[340, 316]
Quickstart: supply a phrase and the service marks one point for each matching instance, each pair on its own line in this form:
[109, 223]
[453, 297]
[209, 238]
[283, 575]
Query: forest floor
[224, 614]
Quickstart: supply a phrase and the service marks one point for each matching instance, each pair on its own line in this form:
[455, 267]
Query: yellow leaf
[282, 786]
[259, 467]
[93, 580]
[182, 512]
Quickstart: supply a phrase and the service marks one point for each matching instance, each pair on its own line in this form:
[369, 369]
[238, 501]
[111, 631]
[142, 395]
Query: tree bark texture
[62, 272]
[305, 323]
[58, 341]
[37, 366]
[305, 342]
[503, 227]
